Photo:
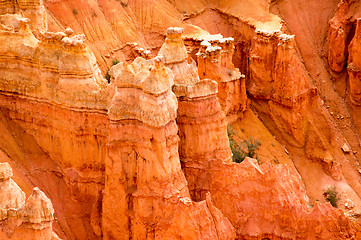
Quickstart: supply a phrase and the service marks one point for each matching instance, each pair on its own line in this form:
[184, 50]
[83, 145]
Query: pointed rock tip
[5, 171]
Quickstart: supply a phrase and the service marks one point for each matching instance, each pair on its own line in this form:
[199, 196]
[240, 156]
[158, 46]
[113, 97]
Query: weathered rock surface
[214, 60]
[111, 151]
[344, 35]
[210, 170]
[20, 219]
[280, 208]
[200, 118]
[340, 31]
[354, 64]
[152, 200]
[113, 26]
[34, 10]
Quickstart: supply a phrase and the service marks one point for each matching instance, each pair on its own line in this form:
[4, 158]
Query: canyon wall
[78, 122]
[289, 87]
[147, 156]
[231, 184]
[152, 199]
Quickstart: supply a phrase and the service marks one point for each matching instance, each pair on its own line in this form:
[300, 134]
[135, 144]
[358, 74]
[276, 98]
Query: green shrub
[242, 149]
[107, 75]
[75, 11]
[115, 61]
[331, 195]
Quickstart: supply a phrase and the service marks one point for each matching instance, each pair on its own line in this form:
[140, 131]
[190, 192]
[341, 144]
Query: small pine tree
[331, 195]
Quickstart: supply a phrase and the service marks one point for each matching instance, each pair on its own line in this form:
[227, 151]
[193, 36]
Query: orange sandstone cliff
[145, 154]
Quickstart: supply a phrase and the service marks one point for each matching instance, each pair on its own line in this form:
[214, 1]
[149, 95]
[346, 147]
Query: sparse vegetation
[124, 4]
[331, 195]
[107, 75]
[115, 61]
[242, 149]
[75, 11]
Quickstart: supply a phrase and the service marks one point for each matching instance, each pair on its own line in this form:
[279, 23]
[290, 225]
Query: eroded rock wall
[115, 147]
[213, 172]
[152, 199]
[214, 59]
[23, 219]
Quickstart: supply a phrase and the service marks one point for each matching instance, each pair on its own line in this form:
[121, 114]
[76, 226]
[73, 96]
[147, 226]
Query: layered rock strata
[115, 147]
[214, 173]
[340, 31]
[200, 118]
[45, 82]
[20, 219]
[33, 10]
[214, 60]
[152, 199]
[61, 81]
[343, 38]
[280, 208]
[280, 81]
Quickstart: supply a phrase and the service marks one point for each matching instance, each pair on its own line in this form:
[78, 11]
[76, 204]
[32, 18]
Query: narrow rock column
[12, 197]
[146, 194]
[215, 62]
[354, 65]
[30, 220]
[37, 215]
[201, 121]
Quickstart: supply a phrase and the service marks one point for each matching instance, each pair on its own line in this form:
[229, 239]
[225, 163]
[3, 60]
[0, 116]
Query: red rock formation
[200, 118]
[279, 208]
[111, 26]
[23, 220]
[152, 200]
[354, 65]
[212, 172]
[215, 62]
[65, 84]
[344, 34]
[59, 80]
[33, 10]
[124, 136]
[339, 29]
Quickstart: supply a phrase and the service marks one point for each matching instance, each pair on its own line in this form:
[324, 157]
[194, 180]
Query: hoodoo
[139, 119]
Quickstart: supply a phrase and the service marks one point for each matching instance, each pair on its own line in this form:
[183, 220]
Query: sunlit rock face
[214, 60]
[145, 155]
[20, 218]
[152, 199]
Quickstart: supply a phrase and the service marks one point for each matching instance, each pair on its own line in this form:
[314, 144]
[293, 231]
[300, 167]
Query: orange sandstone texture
[20, 219]
[233, 185]
[146, 194]
[354, 65]
[214, 60]
[200, 118]
[344, 35]
[109, 154]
